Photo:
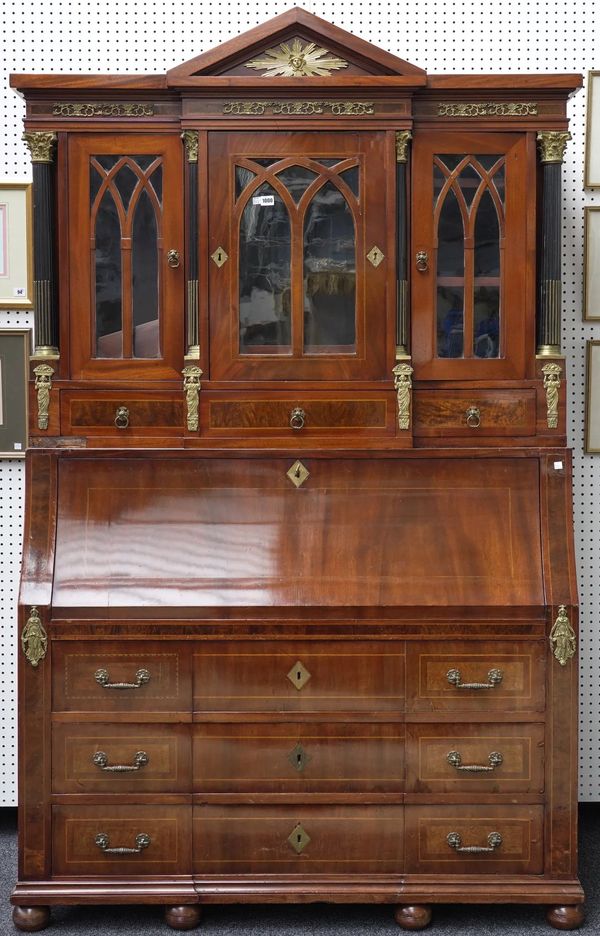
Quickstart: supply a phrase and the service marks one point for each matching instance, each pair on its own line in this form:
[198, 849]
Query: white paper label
[19, 292]
[558, 466]
[17, 446]
[263, 200]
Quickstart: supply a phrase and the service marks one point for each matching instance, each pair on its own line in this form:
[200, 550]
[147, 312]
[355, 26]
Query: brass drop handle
[140, 760]
[422, 261]
[141, 678]
[473, 417]
[141, 842]
[455, 760]
[297, 418]
[494, 841]
[173, 259]
[494, 679]
[122, 417]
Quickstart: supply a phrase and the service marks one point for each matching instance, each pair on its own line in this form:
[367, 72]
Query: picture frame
[16, 245]
[15, 348]
[591, 265]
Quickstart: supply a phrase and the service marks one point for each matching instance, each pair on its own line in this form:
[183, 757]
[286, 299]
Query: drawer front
[132, 758]
[495, 758]
[101, 413]
[507, 839]
[317, 677]
[298, 839]
[474, 414]
[123, 676]
[469, 676]
[298, 415]
[298, 757]
[157, 840]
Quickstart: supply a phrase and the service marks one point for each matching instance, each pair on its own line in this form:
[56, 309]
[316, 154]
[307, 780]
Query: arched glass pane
[107, 275]
[486, 308]
[243, 177]
[350, 177]
[329, 274]
[296, 180]
[487, 238]
[145, 286]
[450, 280]
[125, 182]
[265, 274]
[469, 181]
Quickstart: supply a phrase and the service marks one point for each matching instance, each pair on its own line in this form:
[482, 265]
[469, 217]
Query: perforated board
[461, 36]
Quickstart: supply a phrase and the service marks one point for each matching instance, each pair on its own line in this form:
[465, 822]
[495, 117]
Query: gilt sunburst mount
[293, 60]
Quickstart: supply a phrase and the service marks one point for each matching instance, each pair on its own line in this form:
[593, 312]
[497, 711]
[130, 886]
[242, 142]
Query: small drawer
[468, 676]
[492, 758]
[474, 413]
[121, 840]
[112, 676]
[298, 840]
[298, 758]
[250, 676]
[296, 416]
[474, 839]
[133, 758]
[124, 414]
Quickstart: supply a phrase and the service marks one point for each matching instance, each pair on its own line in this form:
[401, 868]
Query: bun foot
[31, 919]
[414, 917]
[185, 917]
[566, 918]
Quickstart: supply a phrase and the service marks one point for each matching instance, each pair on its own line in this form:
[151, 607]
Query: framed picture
[591, 265]
[15, 348]
[16, 246]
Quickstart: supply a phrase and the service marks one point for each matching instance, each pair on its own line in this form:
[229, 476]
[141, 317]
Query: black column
[41, 146]
[190, 139]
[552, 147]
[402, 140]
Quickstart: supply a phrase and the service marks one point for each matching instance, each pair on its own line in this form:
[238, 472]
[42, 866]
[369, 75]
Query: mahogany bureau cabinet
[298, 610]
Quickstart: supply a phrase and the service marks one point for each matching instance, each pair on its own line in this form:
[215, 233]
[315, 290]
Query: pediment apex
[315, 48]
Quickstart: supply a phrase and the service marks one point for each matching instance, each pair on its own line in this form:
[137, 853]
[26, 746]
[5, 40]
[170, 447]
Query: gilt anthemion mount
[298, 615]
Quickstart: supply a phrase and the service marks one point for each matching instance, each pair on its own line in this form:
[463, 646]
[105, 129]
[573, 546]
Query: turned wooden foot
[565, 918]
[31, 919]
[413, 917]
[185, 917]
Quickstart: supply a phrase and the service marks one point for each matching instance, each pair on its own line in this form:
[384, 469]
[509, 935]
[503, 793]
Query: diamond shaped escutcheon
[298, 839]
[298, 473]
[375, 255]
[298, 758]
[298, 675]
[220, 256]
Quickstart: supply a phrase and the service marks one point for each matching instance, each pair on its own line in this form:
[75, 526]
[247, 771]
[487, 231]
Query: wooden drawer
[501, 413]
[269, 413]
[519, 850]
[151, 758]
[495, 758]
[298, 839]
[77, 850]
[298, 757]
[250, 676]
[86, 412]
[113, 676]
[439, 676]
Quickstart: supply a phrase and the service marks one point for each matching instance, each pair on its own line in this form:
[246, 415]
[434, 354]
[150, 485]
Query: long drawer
[121, 676]
[474, 839]
[474, 413]
[118, 840]
[475, 676]
[121, 413]
[93, 757]
[298, 757]
[262, 676]
[492, 758]
[298, 839]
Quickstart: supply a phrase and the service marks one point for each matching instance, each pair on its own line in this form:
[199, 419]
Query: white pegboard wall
[440, 36]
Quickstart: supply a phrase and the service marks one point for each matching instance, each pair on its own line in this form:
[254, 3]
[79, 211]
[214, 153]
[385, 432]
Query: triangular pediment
[295, 44]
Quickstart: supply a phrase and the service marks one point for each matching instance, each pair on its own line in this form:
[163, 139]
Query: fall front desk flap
[207, 533]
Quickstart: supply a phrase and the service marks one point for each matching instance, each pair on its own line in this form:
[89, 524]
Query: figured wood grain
[86, 413]
[508, 413]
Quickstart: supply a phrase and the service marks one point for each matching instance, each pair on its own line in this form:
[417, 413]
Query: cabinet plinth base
[566, 917]
[31, 919]
[413, 916]
[184, 917]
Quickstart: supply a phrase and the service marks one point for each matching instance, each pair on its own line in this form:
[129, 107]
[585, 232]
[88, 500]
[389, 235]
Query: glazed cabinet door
[126, 256]
[473, 241]
[298, 244]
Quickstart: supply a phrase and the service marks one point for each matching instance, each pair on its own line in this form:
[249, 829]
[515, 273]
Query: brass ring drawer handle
[173, 258]
[494, 841]
[494, 679]
[473, 417]
[140, 760]
[141, 678]
[122, 417]
[297, 418]
[141, 841]
[422, 261]
[455, 760]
